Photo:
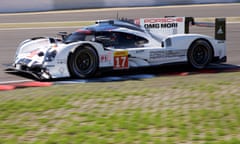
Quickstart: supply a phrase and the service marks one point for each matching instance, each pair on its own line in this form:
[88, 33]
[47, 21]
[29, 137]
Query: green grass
[188, 109]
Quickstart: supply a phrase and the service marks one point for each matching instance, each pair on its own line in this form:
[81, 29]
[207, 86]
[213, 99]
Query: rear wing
[220, 26]
[180, 25]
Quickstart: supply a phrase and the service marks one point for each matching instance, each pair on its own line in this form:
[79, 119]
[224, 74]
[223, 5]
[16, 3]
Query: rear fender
[183, 41]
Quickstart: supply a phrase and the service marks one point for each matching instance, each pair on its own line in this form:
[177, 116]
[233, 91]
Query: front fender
[59, 66]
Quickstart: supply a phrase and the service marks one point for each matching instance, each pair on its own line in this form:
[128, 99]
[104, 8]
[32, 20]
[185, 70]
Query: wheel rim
[200, 55]
[84, 63]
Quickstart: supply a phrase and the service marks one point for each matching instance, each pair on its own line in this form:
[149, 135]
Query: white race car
[121, 44]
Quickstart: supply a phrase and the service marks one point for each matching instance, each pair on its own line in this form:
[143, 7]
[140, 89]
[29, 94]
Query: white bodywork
[165, 45]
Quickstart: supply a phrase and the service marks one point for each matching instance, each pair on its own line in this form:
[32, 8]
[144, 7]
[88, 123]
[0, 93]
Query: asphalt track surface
[10, 38]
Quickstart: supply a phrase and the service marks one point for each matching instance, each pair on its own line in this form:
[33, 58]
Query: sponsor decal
[120, 53]
[120, 60]
[157, 54]
[157, 23]
[50, 66]
[139, 51]
[61, 61]
[105, 58]
[176, 53]
[165, 26]
[33, 53]
[157, 26]
[164, 20]
[137, 21]
[220, 30]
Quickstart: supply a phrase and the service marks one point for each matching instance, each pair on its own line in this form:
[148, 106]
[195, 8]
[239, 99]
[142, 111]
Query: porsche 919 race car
[121, 44]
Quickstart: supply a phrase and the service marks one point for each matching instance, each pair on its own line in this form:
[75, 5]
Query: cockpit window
[81, 35]
[74, 37]
[120, 40]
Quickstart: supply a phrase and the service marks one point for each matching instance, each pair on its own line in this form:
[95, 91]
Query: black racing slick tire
[83, 62]
[200, 54]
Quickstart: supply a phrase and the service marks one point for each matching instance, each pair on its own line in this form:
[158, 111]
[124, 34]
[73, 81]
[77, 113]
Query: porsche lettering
[164, 20]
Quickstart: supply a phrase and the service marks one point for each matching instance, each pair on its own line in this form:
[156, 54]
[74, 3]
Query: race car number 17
[121, 60]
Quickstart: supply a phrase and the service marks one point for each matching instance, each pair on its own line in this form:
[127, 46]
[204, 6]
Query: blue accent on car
[101, 27]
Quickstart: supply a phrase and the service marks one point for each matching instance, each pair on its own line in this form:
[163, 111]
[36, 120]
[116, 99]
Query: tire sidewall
[206, 48]
[73, 64]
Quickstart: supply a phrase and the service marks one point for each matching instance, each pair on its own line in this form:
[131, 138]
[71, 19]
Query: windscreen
[74, 37]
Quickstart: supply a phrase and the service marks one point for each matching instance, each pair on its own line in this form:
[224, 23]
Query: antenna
[117, 14]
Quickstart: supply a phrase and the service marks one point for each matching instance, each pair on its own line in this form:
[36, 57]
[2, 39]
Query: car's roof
[99, 28]
[118, 26]
[108, 25]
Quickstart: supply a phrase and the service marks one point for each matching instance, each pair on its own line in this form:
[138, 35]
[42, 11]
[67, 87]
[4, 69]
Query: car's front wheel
[200, 54]
[83, 63]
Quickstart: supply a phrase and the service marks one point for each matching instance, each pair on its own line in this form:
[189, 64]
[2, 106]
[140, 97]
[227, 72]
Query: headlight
[50, 55]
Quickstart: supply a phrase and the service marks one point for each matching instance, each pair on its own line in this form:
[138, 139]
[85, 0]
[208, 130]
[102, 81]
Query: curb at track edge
[26, 84]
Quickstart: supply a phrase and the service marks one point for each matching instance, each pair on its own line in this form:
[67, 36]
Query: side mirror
[63, 35]
[102, 38]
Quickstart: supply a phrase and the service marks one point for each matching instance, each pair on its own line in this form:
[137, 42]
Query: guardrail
[26, 5]
[46, 5]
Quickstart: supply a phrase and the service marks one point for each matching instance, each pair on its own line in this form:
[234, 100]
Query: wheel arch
[82, 45]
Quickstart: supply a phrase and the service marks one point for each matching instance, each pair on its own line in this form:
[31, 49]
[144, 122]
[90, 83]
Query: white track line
[5, 29]
[15, 81]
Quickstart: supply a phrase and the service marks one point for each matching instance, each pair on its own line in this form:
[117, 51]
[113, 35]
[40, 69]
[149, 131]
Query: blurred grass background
[177, 109]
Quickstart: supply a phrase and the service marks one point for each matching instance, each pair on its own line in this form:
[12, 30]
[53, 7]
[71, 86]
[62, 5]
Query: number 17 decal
[121, 60]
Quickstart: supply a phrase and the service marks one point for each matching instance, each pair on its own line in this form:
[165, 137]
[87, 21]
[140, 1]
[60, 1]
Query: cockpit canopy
[80, 35]
[108, 35]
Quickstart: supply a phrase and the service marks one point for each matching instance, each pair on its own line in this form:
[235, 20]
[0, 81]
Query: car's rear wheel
[83, 63]
[200, 54]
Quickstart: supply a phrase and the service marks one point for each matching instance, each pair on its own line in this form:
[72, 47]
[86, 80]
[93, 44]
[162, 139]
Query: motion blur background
[200, 108]
[46, 5]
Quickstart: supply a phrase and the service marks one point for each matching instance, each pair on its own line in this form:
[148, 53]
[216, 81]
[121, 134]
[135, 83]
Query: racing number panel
[120, 60]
